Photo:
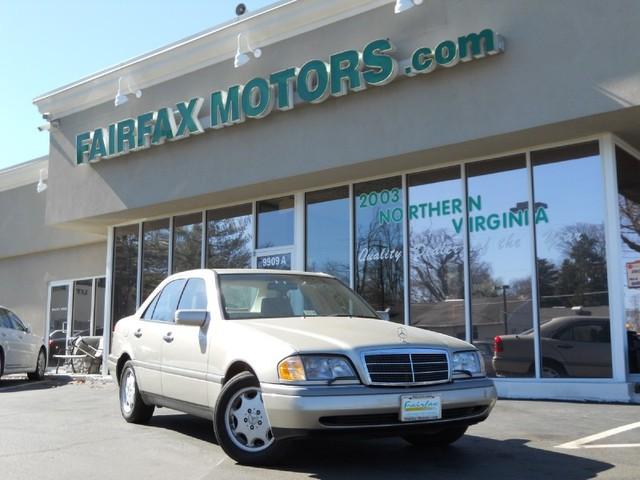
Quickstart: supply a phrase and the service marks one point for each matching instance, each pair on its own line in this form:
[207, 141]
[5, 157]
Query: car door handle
[168, 337]
[138, 333]
[565, 346]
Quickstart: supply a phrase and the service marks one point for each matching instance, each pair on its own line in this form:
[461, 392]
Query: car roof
[259, 270]
[248, 271]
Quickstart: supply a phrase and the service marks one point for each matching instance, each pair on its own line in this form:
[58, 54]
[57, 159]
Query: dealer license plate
[414, 408]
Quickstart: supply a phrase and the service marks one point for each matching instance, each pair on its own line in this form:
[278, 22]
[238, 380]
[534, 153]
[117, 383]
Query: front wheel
[241, 424]
[442, 438]
[133, 409]
[38, 373]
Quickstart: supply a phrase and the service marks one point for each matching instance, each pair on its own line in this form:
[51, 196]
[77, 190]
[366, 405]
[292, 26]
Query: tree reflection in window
[571, 260]
[379, 245]
[187, 242]
[436, 251]
[327, 232]
[229, 237]
[155, 255]
[628, 170]
[125, 271]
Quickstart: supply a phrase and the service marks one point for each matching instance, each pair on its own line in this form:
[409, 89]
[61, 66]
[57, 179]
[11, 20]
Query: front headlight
[316, 368]
[468, 364]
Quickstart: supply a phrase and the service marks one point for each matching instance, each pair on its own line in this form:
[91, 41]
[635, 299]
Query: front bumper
[296, 411]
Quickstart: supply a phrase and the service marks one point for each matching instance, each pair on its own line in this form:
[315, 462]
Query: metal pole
[504, 308]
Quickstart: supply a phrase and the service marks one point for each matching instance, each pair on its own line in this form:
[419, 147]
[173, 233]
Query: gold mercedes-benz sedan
[270, 356]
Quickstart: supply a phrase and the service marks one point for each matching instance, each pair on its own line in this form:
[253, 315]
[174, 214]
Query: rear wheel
[552, 369]
[38, 373]
[241, 424]
[132, 407]
[442, 438]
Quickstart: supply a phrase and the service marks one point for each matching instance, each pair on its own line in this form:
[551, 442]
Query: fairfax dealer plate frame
[416, 408]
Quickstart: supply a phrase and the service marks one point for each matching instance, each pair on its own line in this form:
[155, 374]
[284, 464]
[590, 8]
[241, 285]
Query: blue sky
[45, 44]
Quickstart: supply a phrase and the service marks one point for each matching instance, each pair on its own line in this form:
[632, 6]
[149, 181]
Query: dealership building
[469, 167]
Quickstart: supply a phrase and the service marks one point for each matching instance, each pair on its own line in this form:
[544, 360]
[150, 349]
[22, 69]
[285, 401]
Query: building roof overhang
[274, 23]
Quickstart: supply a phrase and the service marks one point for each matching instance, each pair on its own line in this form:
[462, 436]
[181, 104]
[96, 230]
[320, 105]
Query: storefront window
[500, 263]
[229, 237]
[275, 222]
[98, 307]
[125, 271]
[628, 168]
[379, 245]
[187, 242]
[327, 233]
[155, 255]
[572, 272]
[436, 251]
[82, 298]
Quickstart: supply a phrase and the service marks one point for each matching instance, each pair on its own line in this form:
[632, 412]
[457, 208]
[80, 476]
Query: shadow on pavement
[471, 457]
[195, 427]
[20, 383]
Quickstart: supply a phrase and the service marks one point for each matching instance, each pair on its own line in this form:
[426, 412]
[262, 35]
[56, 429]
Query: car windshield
[266, 295]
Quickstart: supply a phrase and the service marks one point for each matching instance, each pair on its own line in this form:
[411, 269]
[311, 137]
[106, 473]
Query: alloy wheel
[246, 421]
[128, 392]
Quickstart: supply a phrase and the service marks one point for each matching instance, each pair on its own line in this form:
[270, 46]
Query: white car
[271, 356]
[20, 350]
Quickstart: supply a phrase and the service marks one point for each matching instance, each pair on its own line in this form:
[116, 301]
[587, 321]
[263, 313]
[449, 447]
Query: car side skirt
[179, 405]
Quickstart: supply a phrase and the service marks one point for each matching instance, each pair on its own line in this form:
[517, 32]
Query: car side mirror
[384, 314]
[194, 318]
[27, 328]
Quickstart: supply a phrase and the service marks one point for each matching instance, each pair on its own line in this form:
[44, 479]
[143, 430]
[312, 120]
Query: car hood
[331, 334]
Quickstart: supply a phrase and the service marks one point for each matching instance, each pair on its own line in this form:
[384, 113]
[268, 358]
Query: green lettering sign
[346, 71]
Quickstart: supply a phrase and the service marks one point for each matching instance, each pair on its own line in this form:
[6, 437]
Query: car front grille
[407, 367]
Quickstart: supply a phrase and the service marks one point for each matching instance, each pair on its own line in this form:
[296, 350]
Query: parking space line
[582, 442]
[613, 445]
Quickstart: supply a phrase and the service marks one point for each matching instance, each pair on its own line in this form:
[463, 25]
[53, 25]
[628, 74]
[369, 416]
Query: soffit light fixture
[242, 56]
[122, 97]
[42, 184]
[404, 5]
[51, 122]
[242, 53]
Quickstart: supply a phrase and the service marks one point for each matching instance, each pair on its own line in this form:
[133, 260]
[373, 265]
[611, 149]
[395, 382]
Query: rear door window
[194, 296]
[5, 321]
[17, 323]
[168, 301]
[148, 313]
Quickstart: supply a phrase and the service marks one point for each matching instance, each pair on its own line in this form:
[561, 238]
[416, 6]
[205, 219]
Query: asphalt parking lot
[72, 429]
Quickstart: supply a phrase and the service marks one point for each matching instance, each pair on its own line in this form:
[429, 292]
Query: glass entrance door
[76, 308]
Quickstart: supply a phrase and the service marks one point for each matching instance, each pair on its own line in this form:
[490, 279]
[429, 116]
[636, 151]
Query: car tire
[132, 407]
[41, 366]
[241, 425]
[1, 363]
[442, 438]
[552, 369]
